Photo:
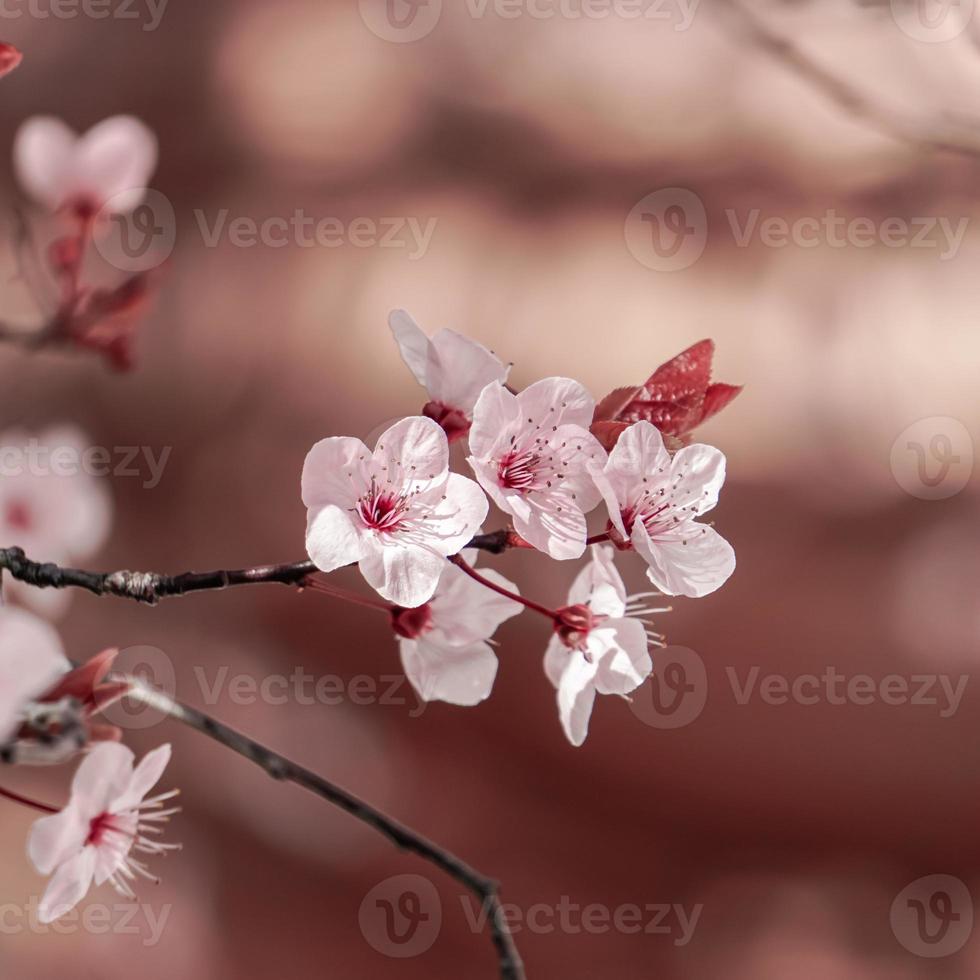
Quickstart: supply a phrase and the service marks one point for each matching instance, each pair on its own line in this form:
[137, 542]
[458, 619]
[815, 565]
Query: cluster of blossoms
[540, 455]
[546, 456]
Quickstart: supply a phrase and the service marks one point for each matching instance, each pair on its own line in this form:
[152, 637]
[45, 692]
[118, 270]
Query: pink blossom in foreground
[397, 511]
[452, 368]
[112, 162]
[443, 644]
[106, 819]
[31, 661]
[51, 507]
[653, 500]
[600, 643]
[531, 452]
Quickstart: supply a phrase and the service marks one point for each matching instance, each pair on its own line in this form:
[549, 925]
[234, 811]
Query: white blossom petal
[576, 695]
[462, 675]
[68, 887]
[692, 559]
[413, 345]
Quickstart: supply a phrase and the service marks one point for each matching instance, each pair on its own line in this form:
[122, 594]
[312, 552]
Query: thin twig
[950, 136]
[281, 768]
[151, 587]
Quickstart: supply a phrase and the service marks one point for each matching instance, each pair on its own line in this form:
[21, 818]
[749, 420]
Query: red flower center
[411, 623]
[382, 510]
[573, 625]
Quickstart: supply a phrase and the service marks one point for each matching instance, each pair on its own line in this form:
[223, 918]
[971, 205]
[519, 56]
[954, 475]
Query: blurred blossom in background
[586, 194]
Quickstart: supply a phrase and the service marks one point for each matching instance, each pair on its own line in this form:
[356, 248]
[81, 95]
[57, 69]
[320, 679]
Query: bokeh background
[533, 142]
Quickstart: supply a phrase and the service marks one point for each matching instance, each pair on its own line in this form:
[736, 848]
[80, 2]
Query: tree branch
[952, 135]
[151, 587]
[281, 768]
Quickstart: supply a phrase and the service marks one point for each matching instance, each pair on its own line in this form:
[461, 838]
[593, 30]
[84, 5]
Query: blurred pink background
[529, 141]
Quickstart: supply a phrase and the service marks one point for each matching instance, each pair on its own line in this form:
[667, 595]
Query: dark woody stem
[281, 768]
[27, 801]
[597, 538]
[151, 587]
[460, 562]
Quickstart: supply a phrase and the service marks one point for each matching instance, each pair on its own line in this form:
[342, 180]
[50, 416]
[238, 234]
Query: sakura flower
[531, 453]
[398, 511]
[112, 162]
[50, 506]
[676, 398]
[31, 661]
[599, 644]
[653, 500]
[443, 643]
[452, 368]
[10, 58]
[106, 819]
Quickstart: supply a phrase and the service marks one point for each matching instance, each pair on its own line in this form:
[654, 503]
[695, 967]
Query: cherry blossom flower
[111, 164]
[31, 661]
[452, 368]
[51, 507]
[398, 512]
[10, 58]
[653, 500]
[600, 644]
[531, 453]
[676, 398]
[106, 819]
[443, 643]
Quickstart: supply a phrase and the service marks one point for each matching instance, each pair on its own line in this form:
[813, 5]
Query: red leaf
[676, 398]
[10, 58]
